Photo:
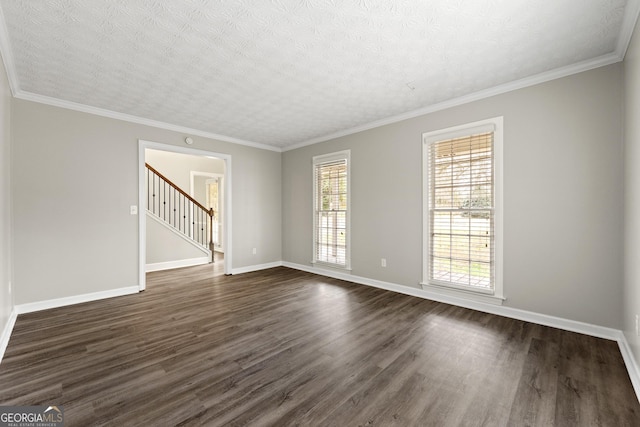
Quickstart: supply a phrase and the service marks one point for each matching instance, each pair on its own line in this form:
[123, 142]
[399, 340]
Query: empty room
[320, 213]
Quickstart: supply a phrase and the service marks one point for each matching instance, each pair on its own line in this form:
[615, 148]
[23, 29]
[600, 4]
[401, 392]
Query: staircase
[179, 211]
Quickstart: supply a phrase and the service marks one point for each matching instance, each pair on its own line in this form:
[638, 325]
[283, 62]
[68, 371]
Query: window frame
[317, 161]
[495, 295]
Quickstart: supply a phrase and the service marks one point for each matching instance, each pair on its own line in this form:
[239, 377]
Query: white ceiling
[285, 73]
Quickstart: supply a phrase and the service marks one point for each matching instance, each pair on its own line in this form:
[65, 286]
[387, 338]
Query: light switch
[134, 210]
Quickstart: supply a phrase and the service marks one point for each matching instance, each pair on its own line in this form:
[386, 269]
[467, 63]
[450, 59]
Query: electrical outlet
[637, 333]
[255, 251]
[383, 262]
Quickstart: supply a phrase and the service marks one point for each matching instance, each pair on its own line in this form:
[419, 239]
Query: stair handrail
[210, 212]
[180, 190]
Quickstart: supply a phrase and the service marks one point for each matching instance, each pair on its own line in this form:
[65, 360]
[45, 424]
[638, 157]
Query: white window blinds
[331, 211]
[461, 211]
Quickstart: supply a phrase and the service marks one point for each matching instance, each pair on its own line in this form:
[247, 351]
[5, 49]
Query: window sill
[462, 294]
[329, 266]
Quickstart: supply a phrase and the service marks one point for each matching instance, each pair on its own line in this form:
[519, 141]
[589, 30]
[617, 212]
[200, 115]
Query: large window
[462, 199]
[331, 209]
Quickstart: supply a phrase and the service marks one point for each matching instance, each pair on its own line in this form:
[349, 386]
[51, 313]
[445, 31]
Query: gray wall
[177, 166]
[199, 189]
[632, 193]
[562, 196]
[163, 245]
[74, 176]
[6, 299]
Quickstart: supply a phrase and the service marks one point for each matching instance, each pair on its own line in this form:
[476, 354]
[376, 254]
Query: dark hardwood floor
[283, 347]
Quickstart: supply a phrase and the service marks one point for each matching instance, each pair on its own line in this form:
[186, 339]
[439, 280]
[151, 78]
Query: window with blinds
[461, 209]
[331, 209]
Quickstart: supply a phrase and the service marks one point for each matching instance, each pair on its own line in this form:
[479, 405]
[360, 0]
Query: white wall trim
[220, 176]
[476, 96]
[168, 265]
[528, 316]
[630, 362]
[631, 12]
[76, 299]
[6, 333]
[472, 295]
[142, 223]
[256, 267]
[514, 313]
[579, 67]
[192, 177]
[496, 90]
[69, 105]
[318, 161]
[180, 234]
[494, 125]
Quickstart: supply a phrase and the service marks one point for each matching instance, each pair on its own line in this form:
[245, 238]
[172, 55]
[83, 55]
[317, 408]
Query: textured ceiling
[284, 72]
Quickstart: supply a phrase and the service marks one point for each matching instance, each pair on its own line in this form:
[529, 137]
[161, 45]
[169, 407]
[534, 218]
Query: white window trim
[318, 160]
[497, 295]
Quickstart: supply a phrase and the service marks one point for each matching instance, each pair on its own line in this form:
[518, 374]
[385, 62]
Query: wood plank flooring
[283, 347]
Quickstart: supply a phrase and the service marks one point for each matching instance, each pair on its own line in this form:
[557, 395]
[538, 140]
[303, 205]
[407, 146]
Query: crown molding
[487, 93]
[631, 12]
[476, 96]
[56, 102]
[557, 73]
[9, 65]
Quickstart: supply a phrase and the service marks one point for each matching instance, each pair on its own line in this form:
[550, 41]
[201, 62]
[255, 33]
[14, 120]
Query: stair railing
[175, 207]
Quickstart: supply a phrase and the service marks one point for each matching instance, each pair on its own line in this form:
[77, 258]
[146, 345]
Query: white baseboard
[514, 313]
[76, 299]
[250, 268]
[168, 265]
[630, 362]
[528, 316]
[6, 332]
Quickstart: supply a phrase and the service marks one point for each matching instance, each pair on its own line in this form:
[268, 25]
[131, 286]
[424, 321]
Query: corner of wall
[6, 332]
[7, 307]
[631, 211]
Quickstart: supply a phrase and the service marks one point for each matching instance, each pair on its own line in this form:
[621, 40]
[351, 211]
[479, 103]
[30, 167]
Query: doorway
[224, 201]
[209, 187]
